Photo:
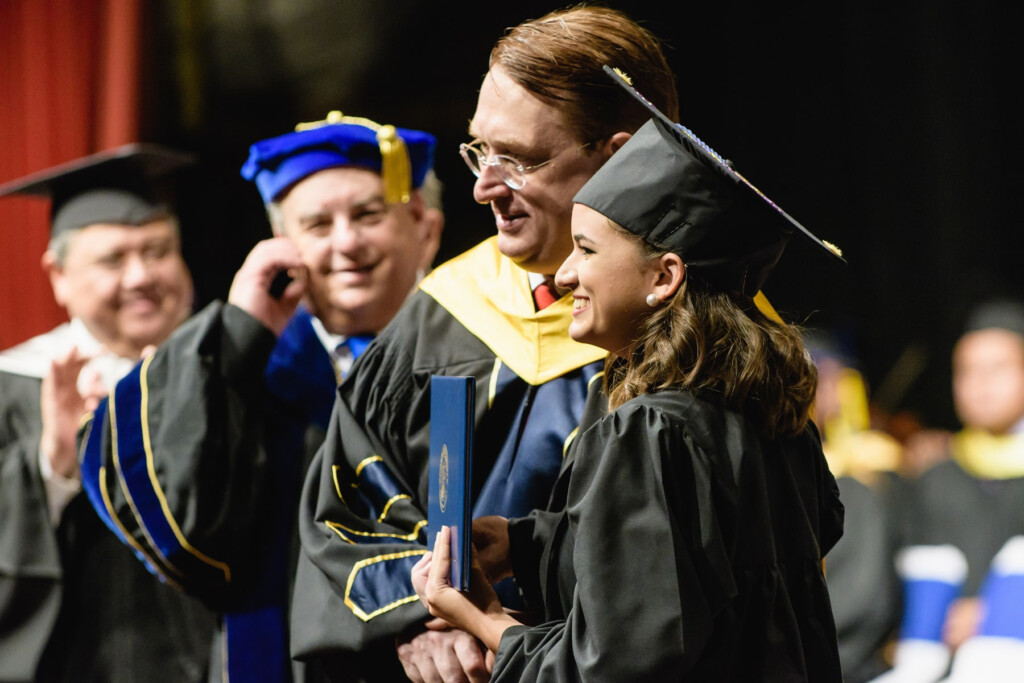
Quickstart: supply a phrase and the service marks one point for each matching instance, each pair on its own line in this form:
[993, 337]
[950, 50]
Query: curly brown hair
[560, 56]
[704, 339]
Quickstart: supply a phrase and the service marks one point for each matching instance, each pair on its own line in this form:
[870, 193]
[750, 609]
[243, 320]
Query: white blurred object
[932, 577]
[917, 661]
[944, 563]
[996, 654]
[988, 659]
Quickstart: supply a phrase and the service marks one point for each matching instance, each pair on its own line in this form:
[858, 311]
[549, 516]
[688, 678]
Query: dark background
[890, 129]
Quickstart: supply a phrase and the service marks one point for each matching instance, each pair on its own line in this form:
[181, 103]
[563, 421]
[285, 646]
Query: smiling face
[533, 222]
[127, 284]
[362, 253]
[610, 276]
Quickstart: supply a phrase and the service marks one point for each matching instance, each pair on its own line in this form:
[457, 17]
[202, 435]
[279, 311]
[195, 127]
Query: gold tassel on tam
[395, 171]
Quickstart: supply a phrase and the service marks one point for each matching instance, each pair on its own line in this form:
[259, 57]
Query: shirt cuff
[59, 489]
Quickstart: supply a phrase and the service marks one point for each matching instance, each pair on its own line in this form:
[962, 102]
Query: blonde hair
[707, 340]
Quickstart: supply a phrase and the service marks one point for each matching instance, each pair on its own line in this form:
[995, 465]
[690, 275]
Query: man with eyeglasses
[547, 118]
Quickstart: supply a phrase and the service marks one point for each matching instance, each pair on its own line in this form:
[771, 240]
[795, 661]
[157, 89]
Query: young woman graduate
[700, 508]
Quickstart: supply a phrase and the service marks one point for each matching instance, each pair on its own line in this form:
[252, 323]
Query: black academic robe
[75, 605]
[362, 518]
[196, 460]
[862, 578]
[690, 549]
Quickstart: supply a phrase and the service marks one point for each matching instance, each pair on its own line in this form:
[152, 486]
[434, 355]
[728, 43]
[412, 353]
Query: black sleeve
[530, 541]
[174, 461]
[363, 516]
[361, 524]
[862, 581]
[30, 565]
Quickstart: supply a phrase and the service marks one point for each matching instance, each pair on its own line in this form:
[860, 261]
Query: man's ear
[433, 224]
[669, 273]
[429, 225]
[53, 270]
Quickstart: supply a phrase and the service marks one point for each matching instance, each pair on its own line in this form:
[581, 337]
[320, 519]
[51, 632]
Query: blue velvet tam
[402, 157]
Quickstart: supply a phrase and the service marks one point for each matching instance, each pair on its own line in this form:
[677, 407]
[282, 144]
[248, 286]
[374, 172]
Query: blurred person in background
[74, 603]
[966, 510]
[861, 571]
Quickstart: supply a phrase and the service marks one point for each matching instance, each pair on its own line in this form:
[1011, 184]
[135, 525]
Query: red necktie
[545, 294]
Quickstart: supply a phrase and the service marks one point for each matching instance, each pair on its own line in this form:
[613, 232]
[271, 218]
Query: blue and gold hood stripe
[145, 523]
[97, 482]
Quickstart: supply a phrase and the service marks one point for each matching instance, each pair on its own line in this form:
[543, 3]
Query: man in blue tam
[214, 431]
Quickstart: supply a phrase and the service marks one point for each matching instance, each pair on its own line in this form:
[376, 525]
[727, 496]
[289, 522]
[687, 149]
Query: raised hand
[61, 407]
[250, 290]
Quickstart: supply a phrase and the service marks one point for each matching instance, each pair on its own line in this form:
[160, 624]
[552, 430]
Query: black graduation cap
[673, 190]
[123, 186]
[1003, 314]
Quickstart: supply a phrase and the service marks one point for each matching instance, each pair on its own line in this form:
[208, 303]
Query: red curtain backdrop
[69, 86]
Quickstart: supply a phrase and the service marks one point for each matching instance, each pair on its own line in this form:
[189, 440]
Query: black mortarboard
[123, 186]
[670, 188]
[1003, 314]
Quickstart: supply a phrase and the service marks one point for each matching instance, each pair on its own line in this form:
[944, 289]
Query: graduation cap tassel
[395, 168]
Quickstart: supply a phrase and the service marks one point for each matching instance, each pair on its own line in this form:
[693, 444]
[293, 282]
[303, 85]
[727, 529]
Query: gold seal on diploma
[442, 478]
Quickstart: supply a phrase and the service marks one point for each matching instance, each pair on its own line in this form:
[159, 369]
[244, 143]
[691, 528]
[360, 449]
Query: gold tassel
[395, 168]
[763, 305]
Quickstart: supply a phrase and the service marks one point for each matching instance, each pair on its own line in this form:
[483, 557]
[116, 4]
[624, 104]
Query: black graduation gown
[30, 569]
[362, 518]
[862, 578]
[690, 549]
[75, 605]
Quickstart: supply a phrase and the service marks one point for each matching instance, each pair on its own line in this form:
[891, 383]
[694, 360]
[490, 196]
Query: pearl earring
[652, 300]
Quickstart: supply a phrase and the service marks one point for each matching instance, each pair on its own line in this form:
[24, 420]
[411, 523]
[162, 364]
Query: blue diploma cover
[452, 400]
